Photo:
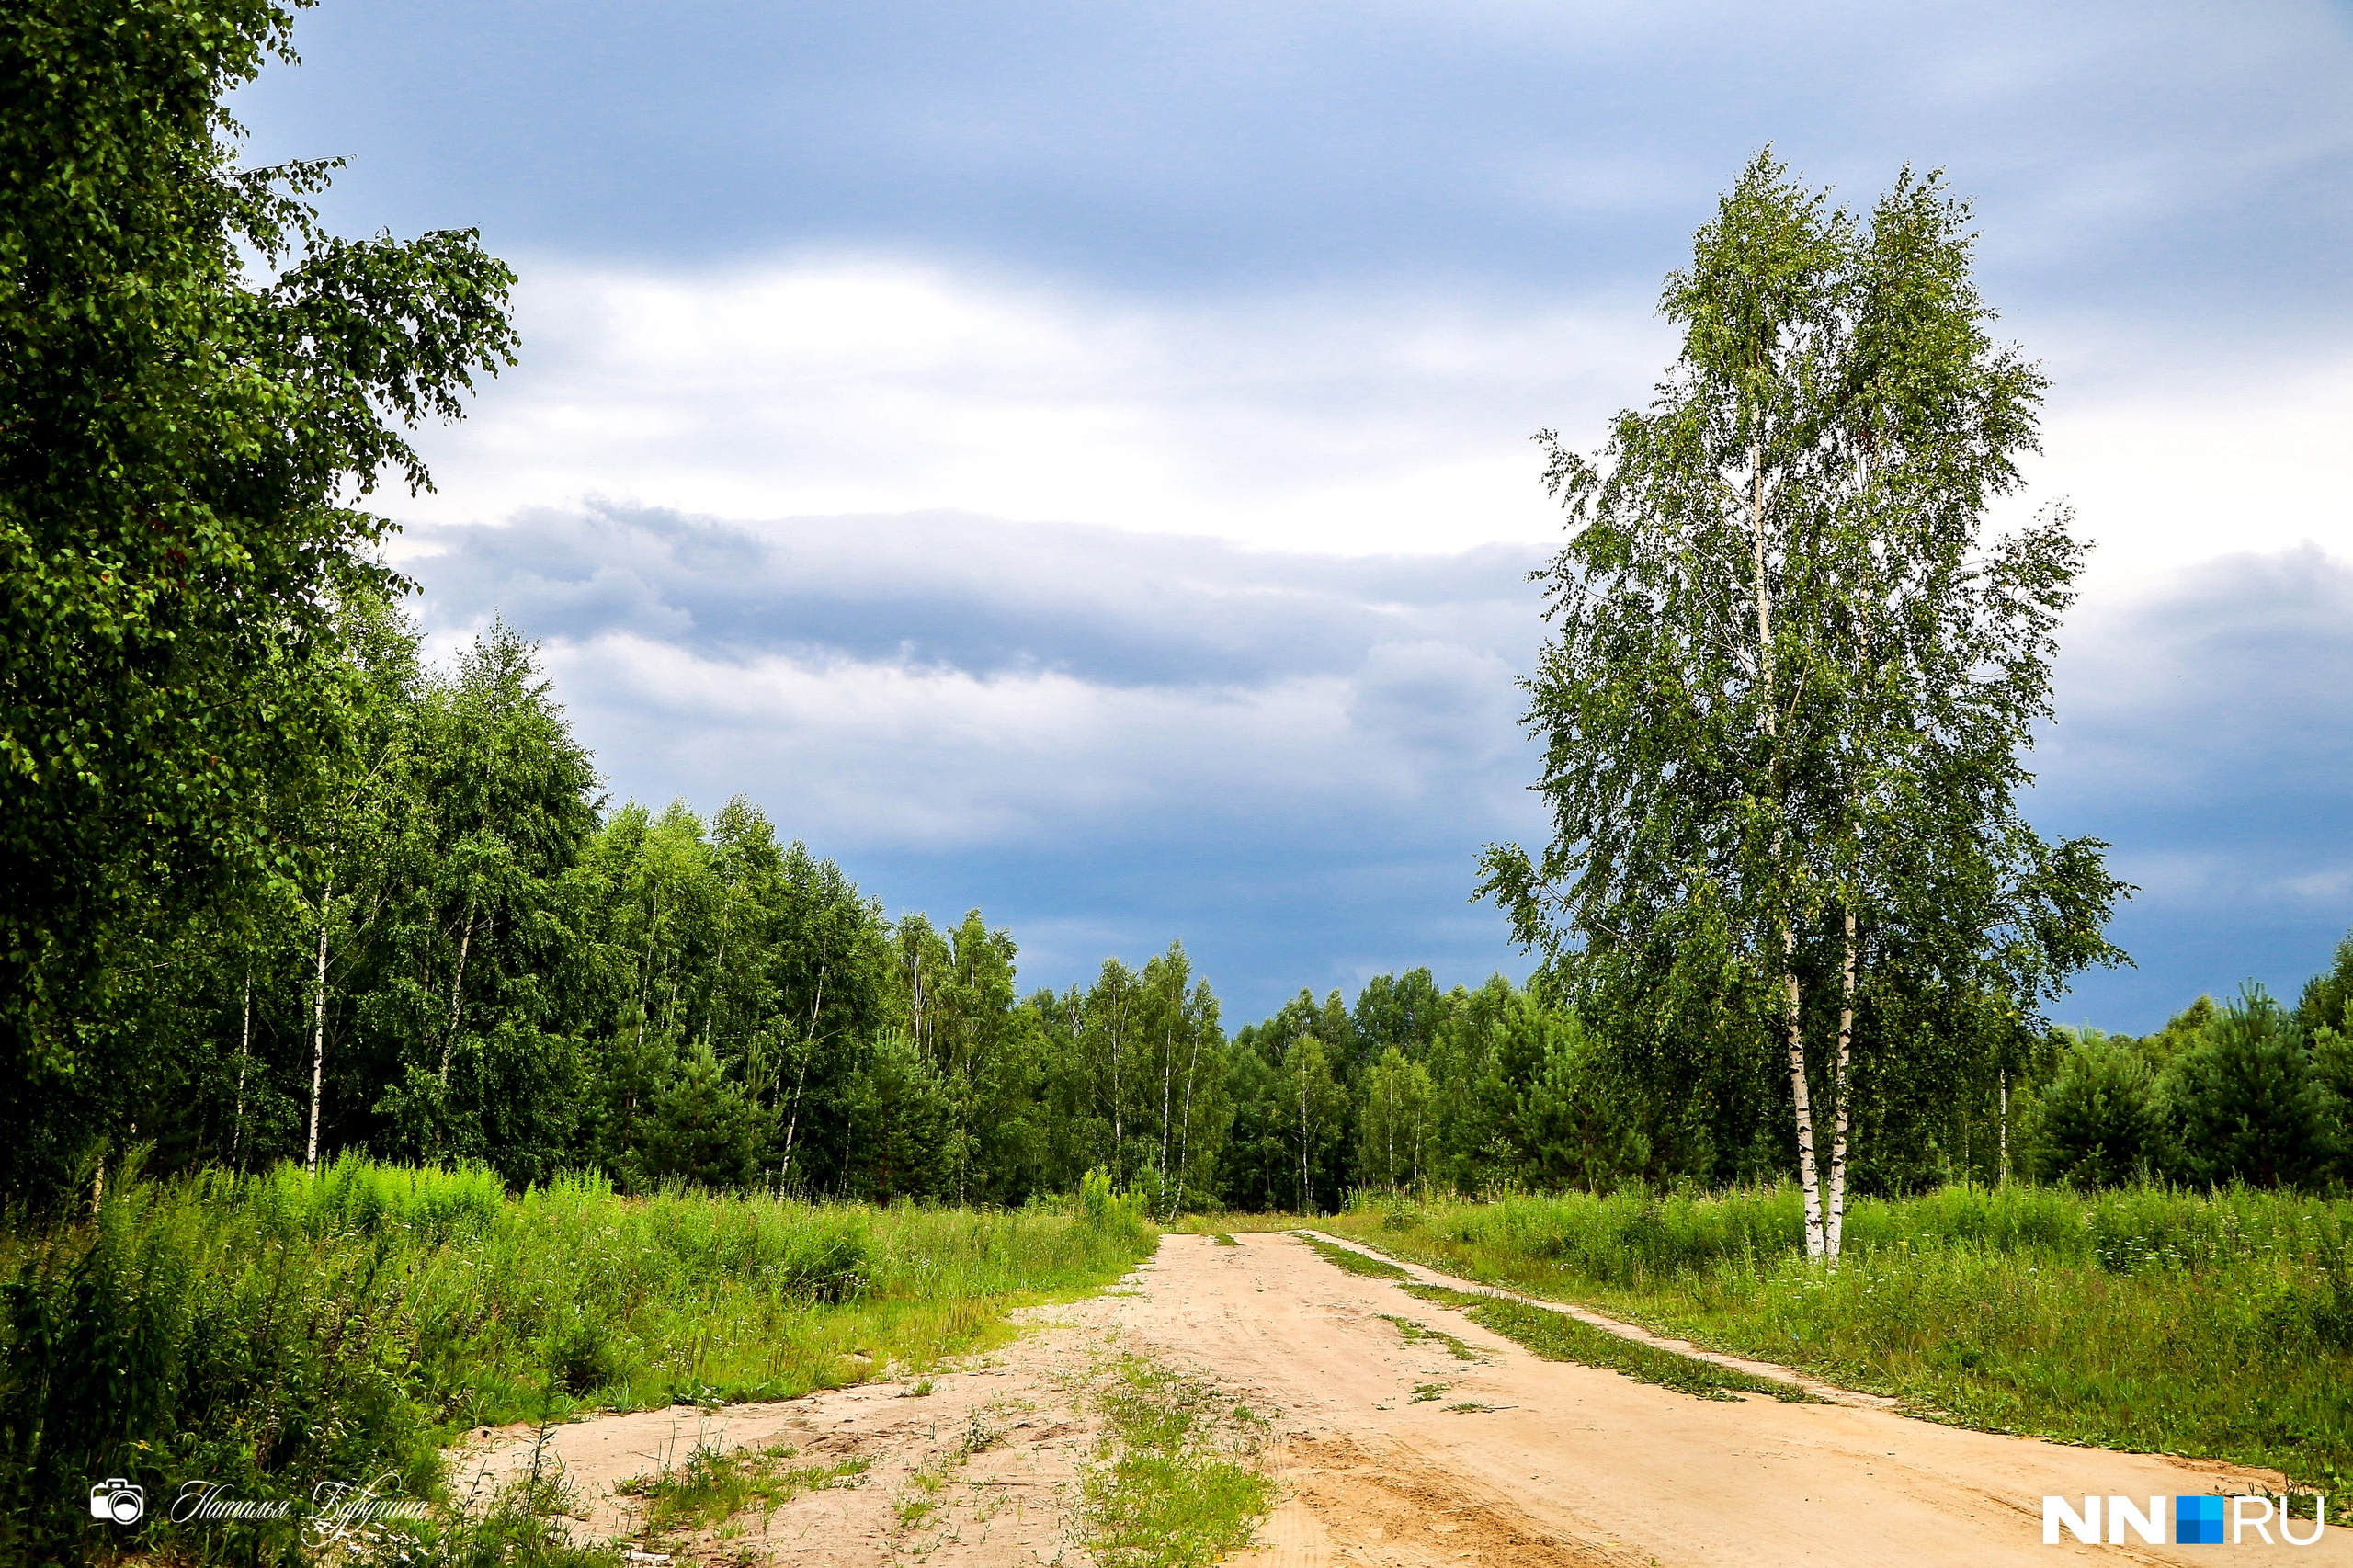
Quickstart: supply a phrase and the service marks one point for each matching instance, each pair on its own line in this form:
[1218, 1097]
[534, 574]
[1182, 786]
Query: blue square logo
[2198, 1521]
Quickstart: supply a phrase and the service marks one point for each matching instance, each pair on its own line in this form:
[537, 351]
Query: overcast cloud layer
[1290, 761]
[1251, 308]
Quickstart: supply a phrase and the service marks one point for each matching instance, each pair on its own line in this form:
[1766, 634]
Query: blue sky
[1071, 460]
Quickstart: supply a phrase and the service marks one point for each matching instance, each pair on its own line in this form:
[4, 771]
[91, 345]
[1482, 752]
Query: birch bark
[319, 1030]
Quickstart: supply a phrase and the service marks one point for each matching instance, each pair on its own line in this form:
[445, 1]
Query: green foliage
[199, 383]
[1575, 1125]
[2099, 1124]
[1790, 690]
[273, 1331]
[1176, 1483]
[2091, 1318]
[1393, 1121]
[1134, 1078]
[2327, 999]
[2244, 1101]
[1124, 1215]
[700, 1125]
[505, 974]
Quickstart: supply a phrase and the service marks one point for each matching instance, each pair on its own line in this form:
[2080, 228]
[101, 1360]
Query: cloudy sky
[1072, 459]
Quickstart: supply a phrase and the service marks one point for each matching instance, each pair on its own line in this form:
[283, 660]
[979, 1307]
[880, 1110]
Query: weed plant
[1176, 1483]
[2214, 1325]
[267, 1333]
[716, 1484]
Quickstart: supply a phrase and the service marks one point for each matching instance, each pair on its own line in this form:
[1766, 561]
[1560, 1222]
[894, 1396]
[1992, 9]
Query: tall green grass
[2216, 1324]
[271, 1332]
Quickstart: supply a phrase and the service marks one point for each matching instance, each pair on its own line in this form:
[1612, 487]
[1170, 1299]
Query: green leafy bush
[1126, 1215]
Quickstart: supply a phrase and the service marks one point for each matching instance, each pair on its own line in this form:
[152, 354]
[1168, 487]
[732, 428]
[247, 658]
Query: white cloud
[2168, 476]
[1352, 421]
[874, 753]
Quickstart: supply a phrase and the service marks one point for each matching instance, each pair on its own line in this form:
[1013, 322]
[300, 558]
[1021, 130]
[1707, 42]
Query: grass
[714, 1485]
[1176, 1483]
[2216, 1325]
[1223, 1238]
[1415, 1332]
[1556, 1337]
[1235, 1223]
[1353, 1261]
[273, 1331]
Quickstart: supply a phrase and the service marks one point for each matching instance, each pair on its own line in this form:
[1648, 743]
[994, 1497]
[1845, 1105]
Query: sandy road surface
[1557, 1463]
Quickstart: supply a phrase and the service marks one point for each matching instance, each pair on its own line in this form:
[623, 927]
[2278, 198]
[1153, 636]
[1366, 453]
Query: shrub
[270, 1332]
[1113, 1213]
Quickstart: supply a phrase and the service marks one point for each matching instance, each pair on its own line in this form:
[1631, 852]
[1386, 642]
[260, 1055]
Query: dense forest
[473, 958]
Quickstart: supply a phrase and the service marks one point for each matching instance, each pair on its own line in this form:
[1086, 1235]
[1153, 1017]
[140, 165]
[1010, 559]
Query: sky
[1072, 460]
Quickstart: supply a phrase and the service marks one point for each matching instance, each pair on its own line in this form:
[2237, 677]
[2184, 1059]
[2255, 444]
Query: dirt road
[1393, 1448]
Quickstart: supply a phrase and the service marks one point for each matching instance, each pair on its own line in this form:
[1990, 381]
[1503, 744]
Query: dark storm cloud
[2206, 730]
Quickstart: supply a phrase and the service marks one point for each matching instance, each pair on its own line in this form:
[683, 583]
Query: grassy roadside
[2215, 1326]
[1237, 1222]
[270, 1333]
[1351, 1261]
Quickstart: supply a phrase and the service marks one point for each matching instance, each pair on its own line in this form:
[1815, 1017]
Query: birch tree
[202, 386]
[1792, 679]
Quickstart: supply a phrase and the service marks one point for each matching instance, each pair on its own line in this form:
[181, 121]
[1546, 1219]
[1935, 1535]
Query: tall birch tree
[1792, 679]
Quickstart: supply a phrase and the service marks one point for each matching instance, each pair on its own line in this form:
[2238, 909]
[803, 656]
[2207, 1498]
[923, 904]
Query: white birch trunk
[1808, 1177]
[2003, 1079]
[1836, 1218]
[319, 1030]
[244, 1057]
[456, 990]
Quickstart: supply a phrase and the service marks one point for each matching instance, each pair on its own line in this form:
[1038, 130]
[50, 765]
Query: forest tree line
[476, 960]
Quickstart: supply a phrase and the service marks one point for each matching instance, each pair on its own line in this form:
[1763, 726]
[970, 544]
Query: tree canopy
[1792, 680]
[200, 389]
